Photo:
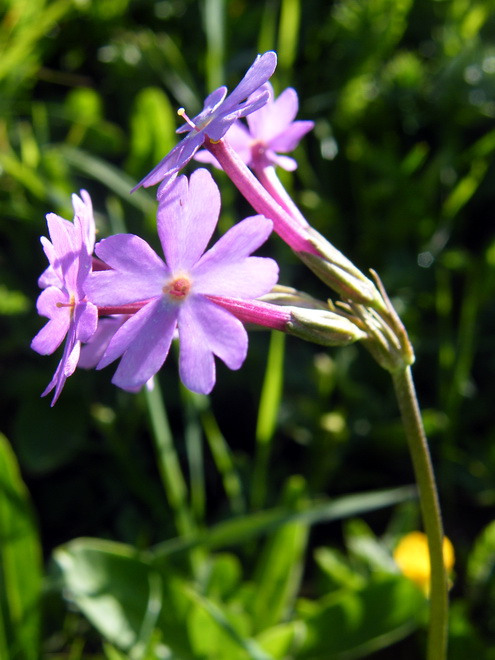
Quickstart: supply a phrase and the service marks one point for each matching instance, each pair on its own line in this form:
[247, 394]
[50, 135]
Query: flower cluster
[119, 299]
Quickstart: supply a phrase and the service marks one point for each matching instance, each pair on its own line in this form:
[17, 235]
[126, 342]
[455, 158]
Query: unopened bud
[323, 327]
[333, 268]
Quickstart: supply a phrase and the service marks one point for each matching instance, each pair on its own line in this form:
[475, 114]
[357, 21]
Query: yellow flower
[412, 557]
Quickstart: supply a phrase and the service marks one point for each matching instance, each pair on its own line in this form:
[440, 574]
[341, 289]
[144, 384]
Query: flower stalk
[430, 509]
[328, 263]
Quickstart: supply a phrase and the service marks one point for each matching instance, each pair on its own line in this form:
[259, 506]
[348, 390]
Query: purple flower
[219, 113]
[271, 129]
[64, 301]
[180, 294]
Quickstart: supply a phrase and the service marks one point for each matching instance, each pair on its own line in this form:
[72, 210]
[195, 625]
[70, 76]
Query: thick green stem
[430, 509]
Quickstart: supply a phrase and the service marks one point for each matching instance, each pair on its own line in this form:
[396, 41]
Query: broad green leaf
[354, 624]
[20, 564]
[123, 597]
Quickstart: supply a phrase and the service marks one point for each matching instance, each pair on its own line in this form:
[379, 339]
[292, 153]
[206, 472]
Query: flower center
[178, 288]
[258, 149]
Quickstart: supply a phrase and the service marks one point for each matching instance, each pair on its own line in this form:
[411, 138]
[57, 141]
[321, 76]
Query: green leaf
[354, 624]
[244, 528]
[218, 635]
[20, 564]
[279, 569]
[481, 563]
[123, 597]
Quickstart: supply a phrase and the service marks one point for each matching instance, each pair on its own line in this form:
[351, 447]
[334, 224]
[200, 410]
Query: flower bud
[323, 327]
[333, 268]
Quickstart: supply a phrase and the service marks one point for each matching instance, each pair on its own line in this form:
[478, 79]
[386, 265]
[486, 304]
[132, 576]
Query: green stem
[168, 462]
[430, 509]
[271, 393]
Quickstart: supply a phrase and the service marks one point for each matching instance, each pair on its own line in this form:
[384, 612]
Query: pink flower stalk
[290, 229]
[219, 113]
[179, 294]
[64, 302]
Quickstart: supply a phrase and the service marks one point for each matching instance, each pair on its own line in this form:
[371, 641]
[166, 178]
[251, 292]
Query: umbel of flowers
[120, 300]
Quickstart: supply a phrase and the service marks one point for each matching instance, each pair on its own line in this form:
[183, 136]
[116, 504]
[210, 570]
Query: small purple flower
[219, 113]
[271, 129]
[180, 294]
[64, 301]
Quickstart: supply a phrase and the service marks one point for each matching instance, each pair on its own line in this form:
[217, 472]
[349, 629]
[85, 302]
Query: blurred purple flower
[63, 302]
[219, 113]
[271, 129]
[180, 293]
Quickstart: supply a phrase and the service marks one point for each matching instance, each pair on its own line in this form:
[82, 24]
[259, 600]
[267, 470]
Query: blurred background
[399, 175]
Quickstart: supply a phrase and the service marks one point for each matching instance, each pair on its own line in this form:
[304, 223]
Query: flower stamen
[178, 289]
[182, 113]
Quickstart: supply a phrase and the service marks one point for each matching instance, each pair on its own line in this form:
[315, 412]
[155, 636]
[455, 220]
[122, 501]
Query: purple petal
[187, 218]
[83, 208]
[254, 103]
[51, 335]
[258, 73]
[129, 253]
[285, 162]
[53, 274]
[175, 160]
[85, 320]
[70, 363]
[219, 127]
[92, 352]
[110, 288]
[64, 247]
[138, 273]
[145, 339]
[205, 329]
[237, 243]
[49, 278]
[84, 261]
[290, 138]
[250, 278]
[59, 377]
[51, 302]
[282, 113]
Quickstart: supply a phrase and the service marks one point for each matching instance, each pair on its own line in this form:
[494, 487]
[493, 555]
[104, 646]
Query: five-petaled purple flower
[271, 129]
[219, 113]
[180, 294]
[63, 300]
